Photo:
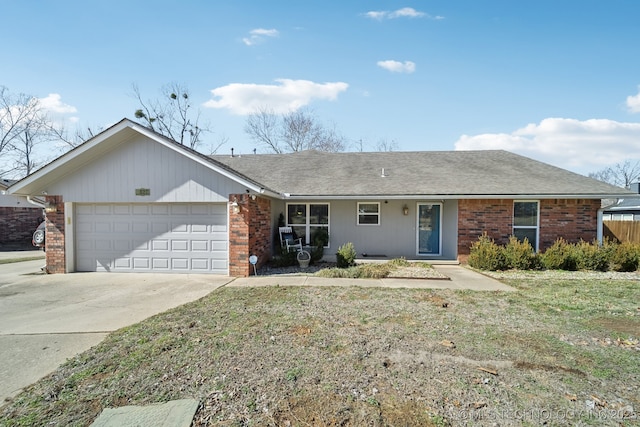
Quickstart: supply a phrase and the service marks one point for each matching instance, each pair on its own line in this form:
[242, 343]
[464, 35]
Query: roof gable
[103, 143]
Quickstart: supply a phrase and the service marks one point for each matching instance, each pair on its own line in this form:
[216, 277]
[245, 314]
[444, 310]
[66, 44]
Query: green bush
[485, 254]
[319, 239]
[626, 256]
[519, 254]
[560, 256]
[591, 256]
[346, 256]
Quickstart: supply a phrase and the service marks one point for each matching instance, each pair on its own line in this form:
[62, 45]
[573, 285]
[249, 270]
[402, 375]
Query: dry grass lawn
[564, 352]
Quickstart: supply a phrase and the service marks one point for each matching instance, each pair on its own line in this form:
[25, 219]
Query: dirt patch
[548, 368]
[623, 325]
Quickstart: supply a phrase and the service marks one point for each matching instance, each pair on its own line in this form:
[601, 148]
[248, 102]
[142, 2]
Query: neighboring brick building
[18, 218]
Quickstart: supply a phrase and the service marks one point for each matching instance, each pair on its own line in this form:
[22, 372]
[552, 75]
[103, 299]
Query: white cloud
[258, 35]
[397, 66]
[54, 104]
[581, 146]
[405, 12]
[633, 102]
[288, 95]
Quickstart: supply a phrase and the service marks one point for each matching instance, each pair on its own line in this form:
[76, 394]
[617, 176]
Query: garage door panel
[160, 245]
[160, 263]
[121, 209]
[103, 209]
[140, 227]
[200, 246]
[152, 237]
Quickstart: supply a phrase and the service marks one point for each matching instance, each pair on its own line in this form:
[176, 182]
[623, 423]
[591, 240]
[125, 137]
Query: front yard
[561, 350]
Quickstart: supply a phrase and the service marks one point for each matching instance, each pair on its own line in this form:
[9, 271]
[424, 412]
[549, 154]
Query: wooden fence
[622, 231]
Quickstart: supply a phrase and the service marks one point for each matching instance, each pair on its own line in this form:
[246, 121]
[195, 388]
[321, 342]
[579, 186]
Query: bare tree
[172, 115]
[291, 132]
[35, 130]
[621, 174]
[262, 127]
[386, 145]
[15, 111]
[24, 125]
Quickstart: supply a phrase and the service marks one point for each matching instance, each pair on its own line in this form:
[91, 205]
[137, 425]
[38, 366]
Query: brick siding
[54, 243]
[571, 219]
[17, 224]
[249, 233]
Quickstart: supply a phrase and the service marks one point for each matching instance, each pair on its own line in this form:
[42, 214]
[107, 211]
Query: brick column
[249, 233]
[54, 243]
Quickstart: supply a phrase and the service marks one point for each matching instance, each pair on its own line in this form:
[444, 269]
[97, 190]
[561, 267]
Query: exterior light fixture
[235, 206]
[50, 208]
[405, 210]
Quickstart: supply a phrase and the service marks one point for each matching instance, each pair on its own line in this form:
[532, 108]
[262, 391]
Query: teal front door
[429, 229]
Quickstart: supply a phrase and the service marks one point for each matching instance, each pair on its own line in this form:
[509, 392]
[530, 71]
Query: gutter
[33, 202]
[445, 196]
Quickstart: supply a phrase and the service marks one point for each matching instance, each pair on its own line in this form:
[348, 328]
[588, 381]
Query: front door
[429, 229]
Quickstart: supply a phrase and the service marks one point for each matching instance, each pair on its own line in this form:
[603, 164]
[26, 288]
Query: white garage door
[169, 237]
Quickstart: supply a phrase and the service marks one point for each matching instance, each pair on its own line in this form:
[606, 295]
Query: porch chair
[288, 240]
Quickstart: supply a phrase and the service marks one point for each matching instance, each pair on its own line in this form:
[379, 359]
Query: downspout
[599, 230]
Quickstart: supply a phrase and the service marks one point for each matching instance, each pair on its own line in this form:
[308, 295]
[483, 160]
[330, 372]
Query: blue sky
[558, 81]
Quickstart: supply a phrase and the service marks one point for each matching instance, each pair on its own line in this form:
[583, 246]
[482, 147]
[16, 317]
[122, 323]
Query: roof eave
[288, 196]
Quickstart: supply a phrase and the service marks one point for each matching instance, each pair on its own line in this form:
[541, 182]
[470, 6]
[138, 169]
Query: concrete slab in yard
[176, 413]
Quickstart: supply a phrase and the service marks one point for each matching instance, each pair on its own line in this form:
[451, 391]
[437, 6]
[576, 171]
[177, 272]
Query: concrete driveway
[46, 319]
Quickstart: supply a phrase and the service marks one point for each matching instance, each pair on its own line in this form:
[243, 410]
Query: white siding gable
[141, 163]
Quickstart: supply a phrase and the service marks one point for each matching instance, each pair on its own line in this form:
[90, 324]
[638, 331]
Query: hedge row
[487, 255]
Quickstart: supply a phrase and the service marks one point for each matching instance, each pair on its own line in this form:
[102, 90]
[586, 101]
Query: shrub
[340, 273]
[375, 270]
[626, 256]
[319, 238]
[591, 256]
[560, 256]
[519, 254]
[485, 254]
[285, 258]
[346, 256]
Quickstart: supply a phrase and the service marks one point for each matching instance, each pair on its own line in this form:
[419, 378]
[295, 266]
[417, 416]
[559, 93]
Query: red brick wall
[54, 243]
[249, 233]
[568, 218]
[17, 224]
[478, 216]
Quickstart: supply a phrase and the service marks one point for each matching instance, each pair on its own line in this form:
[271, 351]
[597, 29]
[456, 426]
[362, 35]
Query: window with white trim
[306, 218]
[526, 214]
[368, 213]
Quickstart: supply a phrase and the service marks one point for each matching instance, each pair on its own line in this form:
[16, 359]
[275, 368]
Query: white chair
[287, 239]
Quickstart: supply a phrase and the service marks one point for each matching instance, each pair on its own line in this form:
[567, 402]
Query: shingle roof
[422, 173]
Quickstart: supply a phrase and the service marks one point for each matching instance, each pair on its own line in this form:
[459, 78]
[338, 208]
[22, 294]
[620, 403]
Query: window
[525, 221]
[306, 218]
[368, 213]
